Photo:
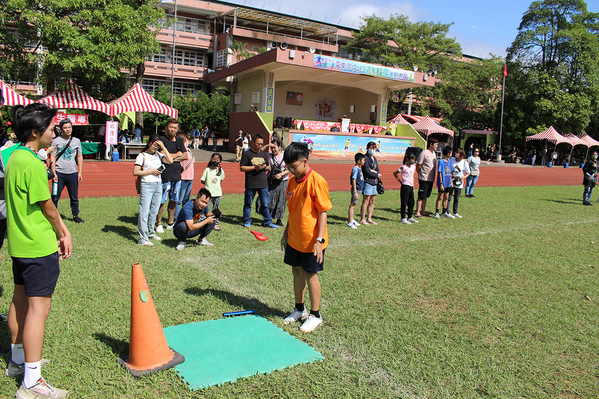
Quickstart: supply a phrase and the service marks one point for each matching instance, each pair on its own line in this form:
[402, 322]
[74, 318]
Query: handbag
[380, 188]
[138, 180]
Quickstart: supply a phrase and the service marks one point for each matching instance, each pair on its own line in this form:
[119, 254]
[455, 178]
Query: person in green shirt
[37, 240]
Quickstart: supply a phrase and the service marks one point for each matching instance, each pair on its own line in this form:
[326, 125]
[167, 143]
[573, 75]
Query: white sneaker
[204, 242]
[170, 226]
[446, 215]
[154, 237]
[311, 324]
[412, 220]
[352, 226]
[159, 229]
[146, 243]
[436, 215]
[450, 216]
[180, 246]
[295, 316]
[355, 223]
[41, 390]
[455, 215]
[404, 221]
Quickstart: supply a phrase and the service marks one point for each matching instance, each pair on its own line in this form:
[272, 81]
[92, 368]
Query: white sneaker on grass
[159, 229]
[446, 215]
[146, 243]
[355, 223]
[352, 226]
[311, 324]
[436, 215]
[205, 243]
[14, 370]
[41, 390]
[170, 226]
[412, 220]
[295, 316]
[180, 246]
[404, 221]
[455, 215]
[154, 237]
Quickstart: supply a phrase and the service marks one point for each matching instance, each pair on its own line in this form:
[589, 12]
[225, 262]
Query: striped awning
[551, 135]
[428, 126]
[417, 118]
[137, 99]
[576, 140]
[73, 96]
[399, 120]
[11, 97]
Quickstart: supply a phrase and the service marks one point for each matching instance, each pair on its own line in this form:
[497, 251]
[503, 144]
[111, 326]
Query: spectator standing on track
[405, 175]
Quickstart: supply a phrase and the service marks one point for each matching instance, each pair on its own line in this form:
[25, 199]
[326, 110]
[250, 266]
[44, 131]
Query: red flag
[504, 69]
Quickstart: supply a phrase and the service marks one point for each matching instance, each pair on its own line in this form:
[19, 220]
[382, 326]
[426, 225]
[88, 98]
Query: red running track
[115, 179]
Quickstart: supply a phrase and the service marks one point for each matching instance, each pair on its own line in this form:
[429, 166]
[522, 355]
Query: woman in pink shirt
[187, 174]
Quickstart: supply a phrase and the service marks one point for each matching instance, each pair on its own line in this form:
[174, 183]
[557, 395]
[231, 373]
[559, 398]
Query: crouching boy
[305, 237]
[195, 220]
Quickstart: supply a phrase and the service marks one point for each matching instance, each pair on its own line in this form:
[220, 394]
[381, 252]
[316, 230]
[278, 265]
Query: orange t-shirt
[305, 200]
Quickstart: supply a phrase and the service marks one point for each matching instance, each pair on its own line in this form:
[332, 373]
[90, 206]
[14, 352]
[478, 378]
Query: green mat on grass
[219, 351]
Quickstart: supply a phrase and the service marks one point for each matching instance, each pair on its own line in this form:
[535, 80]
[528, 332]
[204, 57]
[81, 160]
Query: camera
[161, 168]
[216, 213]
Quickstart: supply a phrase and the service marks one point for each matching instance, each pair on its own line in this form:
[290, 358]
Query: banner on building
[333, 146]
[325, 108]
[269, 99]
[362, 68]
[112, 133]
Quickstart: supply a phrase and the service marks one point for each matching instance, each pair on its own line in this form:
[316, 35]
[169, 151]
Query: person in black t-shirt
[254, 162]
[171, 176]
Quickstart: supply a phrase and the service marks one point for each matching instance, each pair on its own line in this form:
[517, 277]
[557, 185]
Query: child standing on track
[305, 237]
[406, 179]
[357, 185]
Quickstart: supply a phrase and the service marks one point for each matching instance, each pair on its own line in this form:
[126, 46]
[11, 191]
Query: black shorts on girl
[306, 260]
[38, 275]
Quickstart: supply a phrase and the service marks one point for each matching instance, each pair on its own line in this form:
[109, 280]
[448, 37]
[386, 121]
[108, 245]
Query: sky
[482, 27]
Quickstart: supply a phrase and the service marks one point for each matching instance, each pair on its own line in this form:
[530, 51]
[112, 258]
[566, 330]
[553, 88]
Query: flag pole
[502, 101]
[173, 55]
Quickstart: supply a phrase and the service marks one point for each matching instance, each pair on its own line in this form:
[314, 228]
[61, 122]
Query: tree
[90, 40]
[555, 65]
[240, 50]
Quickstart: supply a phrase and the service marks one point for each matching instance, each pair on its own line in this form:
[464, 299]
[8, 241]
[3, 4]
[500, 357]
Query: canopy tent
[551, 135]
[589, 140]
[418, 118]
[428, 126]
[576, 140]
[137, 99]
[11, 97]
[399, 120]
[73, 96]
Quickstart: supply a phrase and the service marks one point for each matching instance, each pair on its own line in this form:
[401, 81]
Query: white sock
[33, 372]
[17, 355]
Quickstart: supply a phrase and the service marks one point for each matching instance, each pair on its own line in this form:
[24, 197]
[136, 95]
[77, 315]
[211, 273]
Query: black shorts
[445, 190]
[307, 260]
[425, 188]
[38, 275]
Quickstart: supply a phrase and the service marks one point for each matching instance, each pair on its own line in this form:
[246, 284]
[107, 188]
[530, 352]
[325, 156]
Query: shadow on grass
[129, 219]
[117, 346]
[246, 303]
[568, 201]
[123, 231]
[334, 219]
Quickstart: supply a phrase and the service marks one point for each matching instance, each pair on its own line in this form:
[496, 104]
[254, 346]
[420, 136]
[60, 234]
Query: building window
[221, 58]
[181, 89]
[192, 26]
[151, 85]
[191, 58]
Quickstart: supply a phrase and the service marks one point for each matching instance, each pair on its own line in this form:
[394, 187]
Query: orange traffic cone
[148, 350]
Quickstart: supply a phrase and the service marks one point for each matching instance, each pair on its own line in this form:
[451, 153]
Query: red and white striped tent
[73, 96]
[11, 97]
[576, 140]
[137, 99]
[417, 118]
[589, 140]
[551, 135]
[399, 120]
[428, 126]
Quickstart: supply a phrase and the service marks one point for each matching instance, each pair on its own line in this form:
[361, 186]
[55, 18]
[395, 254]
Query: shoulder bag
[138, 180]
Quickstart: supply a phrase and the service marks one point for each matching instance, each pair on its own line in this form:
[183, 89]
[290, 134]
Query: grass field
[501, 304]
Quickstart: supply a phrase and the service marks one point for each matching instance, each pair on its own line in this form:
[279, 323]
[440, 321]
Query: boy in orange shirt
[305, 237]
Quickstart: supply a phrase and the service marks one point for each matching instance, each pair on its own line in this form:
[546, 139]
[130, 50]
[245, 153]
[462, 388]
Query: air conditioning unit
[272, 45]
[283, 46]
[312, 50]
